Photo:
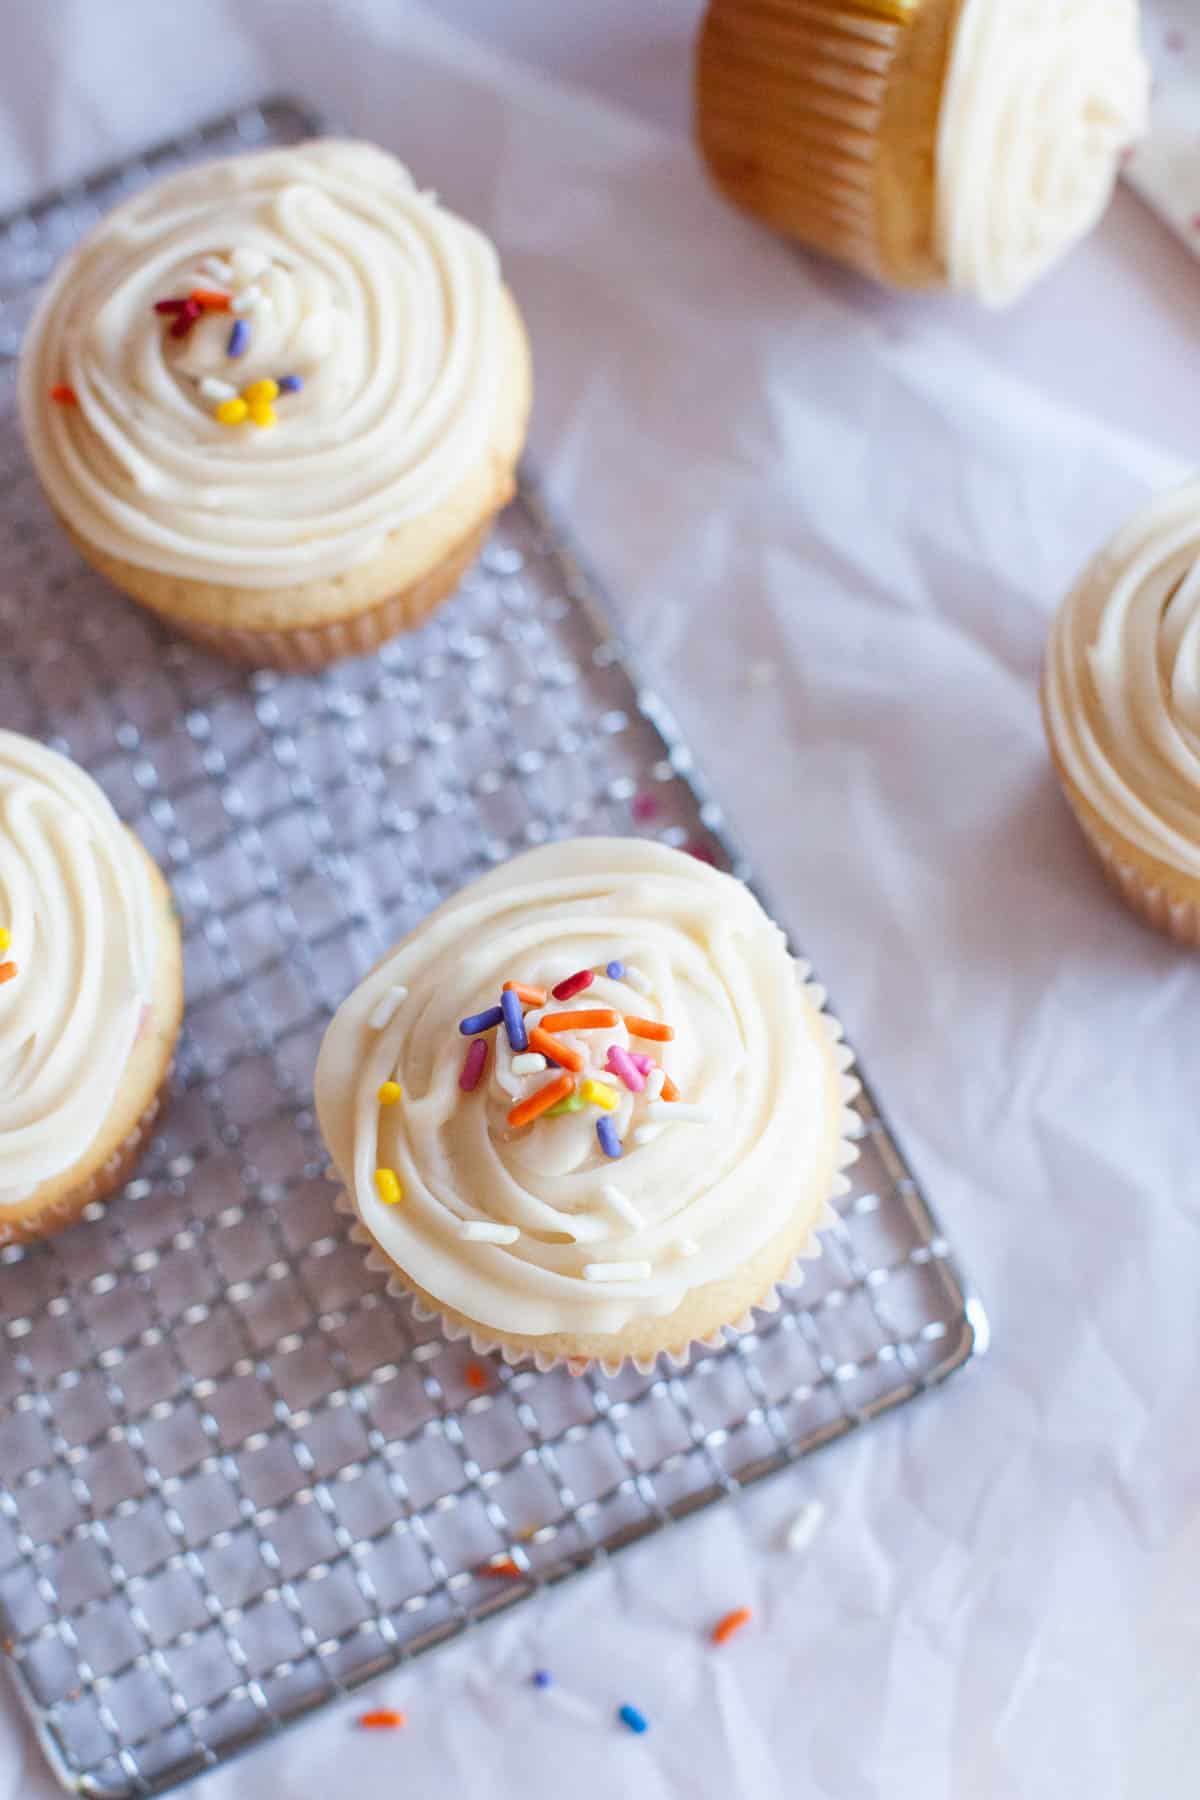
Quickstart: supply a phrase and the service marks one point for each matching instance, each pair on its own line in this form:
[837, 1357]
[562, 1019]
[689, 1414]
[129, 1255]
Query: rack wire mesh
[236, 1479]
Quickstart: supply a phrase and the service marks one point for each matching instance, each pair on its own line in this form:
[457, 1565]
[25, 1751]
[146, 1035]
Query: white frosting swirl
[385, 305]
[694, 1196]
[1040, 99]
[1122, 684]
[76, 901]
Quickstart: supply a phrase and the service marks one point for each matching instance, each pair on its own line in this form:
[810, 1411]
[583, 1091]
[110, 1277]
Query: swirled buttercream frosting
[76, 913]
[254, 372]
[1041, 97]
[1122, 683]
[590, 1083]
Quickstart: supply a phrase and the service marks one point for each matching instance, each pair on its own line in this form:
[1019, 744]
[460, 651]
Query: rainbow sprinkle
[474, 1023]
[626, 1070]
[389, 1093]
[615, 971]
[574, 984]
[474, 1064]
[514, 1021]
[239, 339]
[733, 1622]
[606, 1132]
[383, 1718]
[387, 1186]
[8, 971]
[63, 394]
[290, 384]
[633, 1720]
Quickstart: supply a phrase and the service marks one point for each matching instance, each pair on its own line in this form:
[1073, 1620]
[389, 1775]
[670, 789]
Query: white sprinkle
[217, 269]
[247, 300]
[688, 1247]
[655, 1082]
[628, 1271]
[212, 389]
[679, 1112]
[646, 1134]
[805, 1526]
[248, 263]
[529, 1063]
[623, 1206]
[482, 1231]
[385, 1009]
[636, 980]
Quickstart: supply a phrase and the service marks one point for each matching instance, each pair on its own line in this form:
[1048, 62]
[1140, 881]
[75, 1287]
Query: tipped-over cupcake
[1121, 698]
[279, 399]
[91, 992]
[960, 144]
[590, 1110]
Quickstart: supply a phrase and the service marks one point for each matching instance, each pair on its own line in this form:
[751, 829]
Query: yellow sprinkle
[389, 1093]
[260, 393]
[5, 940]
[262, 414]
[387, 1186]
[232, 412]
[598, 1093]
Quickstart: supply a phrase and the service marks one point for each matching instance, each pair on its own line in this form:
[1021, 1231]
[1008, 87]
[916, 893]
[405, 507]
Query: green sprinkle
[572, 1103]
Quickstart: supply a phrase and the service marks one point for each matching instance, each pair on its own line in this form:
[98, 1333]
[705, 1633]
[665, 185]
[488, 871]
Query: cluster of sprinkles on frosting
[231, 406]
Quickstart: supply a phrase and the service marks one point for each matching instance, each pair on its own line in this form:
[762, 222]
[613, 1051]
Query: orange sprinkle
[475, 1376]
[526, 1111]
[669, 1090]
[562, 1054]
[649, 1028]
[384, 1718]
[601, 1019]
[9, 969]
[209, 299]
[505, 1566]
[64, 394]
[526, 995]
[725, 1628]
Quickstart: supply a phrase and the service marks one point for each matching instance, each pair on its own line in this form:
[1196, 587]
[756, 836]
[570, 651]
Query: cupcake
[590, 1110]
[1121, 700]
[279, 399]
[958, 144]
[91, 992]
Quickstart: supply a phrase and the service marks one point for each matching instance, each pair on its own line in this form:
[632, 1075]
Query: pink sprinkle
[641, 1061]
[701, 852]
[574, 984]
[474, 1064]
[623, 1065]
[645, 806]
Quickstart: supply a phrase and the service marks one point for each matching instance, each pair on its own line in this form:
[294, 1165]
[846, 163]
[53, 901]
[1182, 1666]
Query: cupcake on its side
[279, 399]
[1121, 699]
[590, 1110]
[91, 992]
[960, 144]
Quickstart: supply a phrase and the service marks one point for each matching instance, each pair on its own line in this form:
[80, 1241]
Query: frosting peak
[321, 265]
[1040, 99]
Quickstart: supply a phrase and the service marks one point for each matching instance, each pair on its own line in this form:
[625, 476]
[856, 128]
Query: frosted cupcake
[590, 1110]
[91, 992]
[960, 144]
[1121, 697]
[279, 399]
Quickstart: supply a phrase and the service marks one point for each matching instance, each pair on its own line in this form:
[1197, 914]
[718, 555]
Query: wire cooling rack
[236, 1478]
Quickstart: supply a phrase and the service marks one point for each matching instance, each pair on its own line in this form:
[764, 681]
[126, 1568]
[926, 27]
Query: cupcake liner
[305, 647]
[112, 1174]
[821, 119]
[1175, 915]
[484, 1343]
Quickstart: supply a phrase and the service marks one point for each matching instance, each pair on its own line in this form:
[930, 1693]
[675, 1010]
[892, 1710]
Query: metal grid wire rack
[218, 1506]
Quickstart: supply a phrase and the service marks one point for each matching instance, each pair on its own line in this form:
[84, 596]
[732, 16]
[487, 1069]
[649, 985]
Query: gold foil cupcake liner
[485, 1343]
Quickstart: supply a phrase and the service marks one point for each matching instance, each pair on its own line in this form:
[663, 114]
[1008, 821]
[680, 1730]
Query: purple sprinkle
[615, 971]
[290, 384]
[477, 1022]
[239, 339]
[542, 1678]
[623, 1065]
[606, 1131]
[514, 1020]
[474, 1064]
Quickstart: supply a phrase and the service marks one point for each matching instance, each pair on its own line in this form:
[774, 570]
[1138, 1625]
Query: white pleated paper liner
[485, 1344]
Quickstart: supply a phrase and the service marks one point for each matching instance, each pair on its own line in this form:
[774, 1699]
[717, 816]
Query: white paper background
[881, 500]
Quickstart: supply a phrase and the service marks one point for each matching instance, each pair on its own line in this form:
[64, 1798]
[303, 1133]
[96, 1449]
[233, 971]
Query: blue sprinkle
[606, 1131]
[615, 971]
[239, 339]
[629, 1715]
[480, 1022]
[542, 1678]
[290, 384]
[514, 1020]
